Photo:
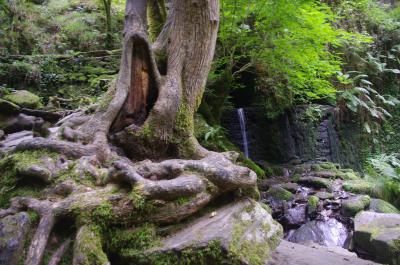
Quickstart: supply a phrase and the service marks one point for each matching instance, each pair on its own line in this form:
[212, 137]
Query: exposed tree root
[39, 241]
[60, 252]
[69, 149]
[87, 248]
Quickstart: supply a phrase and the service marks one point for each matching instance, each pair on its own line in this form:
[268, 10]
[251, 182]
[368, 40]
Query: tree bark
[152, 115]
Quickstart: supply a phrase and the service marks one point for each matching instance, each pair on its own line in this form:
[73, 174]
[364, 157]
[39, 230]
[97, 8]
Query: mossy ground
[9, 181]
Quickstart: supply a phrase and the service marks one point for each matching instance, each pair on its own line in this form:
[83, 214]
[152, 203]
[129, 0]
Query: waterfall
[242, 120]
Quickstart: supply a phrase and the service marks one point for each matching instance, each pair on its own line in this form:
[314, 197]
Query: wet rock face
[13, 232]
[379, 235]
[327, 233]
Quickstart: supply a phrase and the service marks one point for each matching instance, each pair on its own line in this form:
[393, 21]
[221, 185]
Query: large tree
[147, 113]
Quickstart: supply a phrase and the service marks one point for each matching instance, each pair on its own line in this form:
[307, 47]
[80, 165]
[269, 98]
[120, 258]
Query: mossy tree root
[176, 178]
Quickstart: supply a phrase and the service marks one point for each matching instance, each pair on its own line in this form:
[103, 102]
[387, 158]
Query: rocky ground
[333, 207]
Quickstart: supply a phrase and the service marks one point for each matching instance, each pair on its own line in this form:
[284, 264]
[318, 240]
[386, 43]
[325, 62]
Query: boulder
[289, 253]
[295, 215]
[323, 195]
[290, 186]
[312, 204]
[242, 232]
[7, 107]
[381, 206]
[378, 234]
[327, 233]
[279, 193]
[24, 99]
[316, 182]
[13, 232]
[355, 204]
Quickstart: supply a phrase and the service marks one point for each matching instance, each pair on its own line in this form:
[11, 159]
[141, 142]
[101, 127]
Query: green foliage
[385, 168]
[56, 26]
[74, 80]
[290, 44]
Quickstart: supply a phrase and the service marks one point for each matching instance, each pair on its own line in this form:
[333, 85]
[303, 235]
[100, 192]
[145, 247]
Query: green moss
[9, 180]
[249, 250]
[210, 254]
[349, 176]
[361, 187]
[101, 216]
[381, 206]
[328, 166]
[131, 243]
[312, 203]
[246, 162]
[24, 99]
[352, 206]
[82, 176]
[90, 245]
[316, 182]
[279, 193]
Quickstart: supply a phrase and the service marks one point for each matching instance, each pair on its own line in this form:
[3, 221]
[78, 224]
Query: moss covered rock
[381, 206]
[13, 233]
[24, 98]
[354, 205]
[312, 204]
[362, 186]
[279, 193]
[240, 233]
[378, 234]
[316, 182]
[7, 107]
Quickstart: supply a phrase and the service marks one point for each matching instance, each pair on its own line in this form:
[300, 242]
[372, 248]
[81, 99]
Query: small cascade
[242, 121]
[323, 145]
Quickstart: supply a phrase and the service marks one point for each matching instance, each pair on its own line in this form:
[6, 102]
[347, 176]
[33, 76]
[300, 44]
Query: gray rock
[13, 232]
[296, 215]
[24, 99]
[327, 233]
[243, 230]
[381, 206]
[289, 253]
[378, 234]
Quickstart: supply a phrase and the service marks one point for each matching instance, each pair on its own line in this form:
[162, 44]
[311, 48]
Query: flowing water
[242, 120]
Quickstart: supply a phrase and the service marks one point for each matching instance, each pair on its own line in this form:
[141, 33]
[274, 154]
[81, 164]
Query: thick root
[88, 249]
[39, 241]
[71, 150]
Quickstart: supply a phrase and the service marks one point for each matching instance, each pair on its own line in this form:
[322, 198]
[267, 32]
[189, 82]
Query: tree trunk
[151, 115]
